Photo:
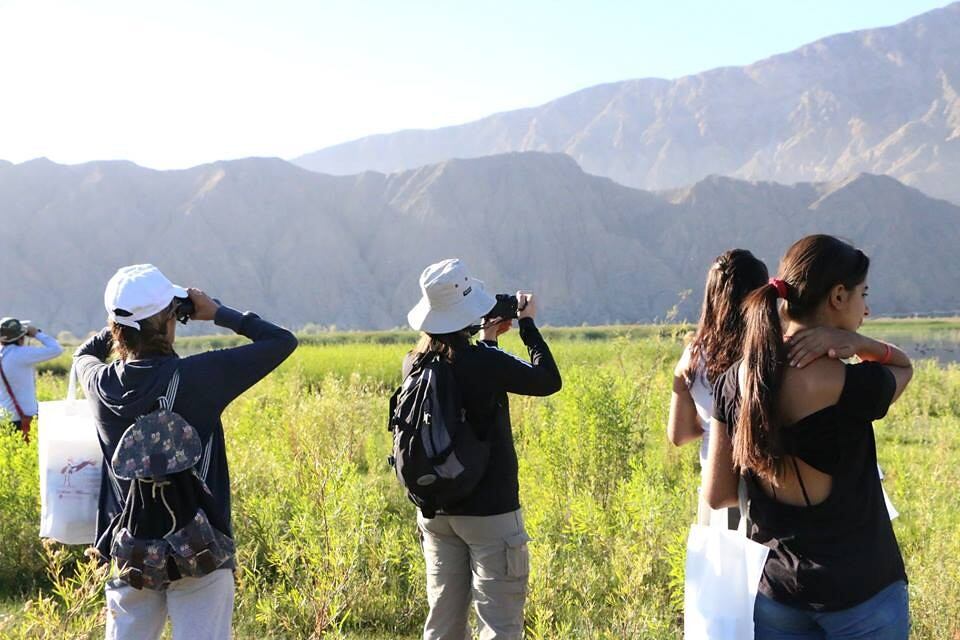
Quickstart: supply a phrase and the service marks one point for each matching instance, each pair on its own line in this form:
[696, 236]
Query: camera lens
[505, 307]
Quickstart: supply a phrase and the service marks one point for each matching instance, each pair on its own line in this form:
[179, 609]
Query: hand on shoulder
[809, 345]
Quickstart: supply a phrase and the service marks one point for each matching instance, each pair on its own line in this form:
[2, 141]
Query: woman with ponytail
[798, 428]
[716, 344]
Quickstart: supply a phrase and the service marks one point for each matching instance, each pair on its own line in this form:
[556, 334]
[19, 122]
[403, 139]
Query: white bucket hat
[451, 301]
[140, 291]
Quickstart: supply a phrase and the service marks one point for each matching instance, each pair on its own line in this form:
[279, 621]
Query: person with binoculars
[143, 308]
[18, 361]
[476, 548]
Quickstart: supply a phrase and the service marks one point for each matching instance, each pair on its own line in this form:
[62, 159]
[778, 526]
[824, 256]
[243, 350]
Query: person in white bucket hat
[476, 550]
[143, 307]
[451, 301]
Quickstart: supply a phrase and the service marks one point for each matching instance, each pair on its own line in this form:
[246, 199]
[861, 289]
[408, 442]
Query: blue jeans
[885, 616]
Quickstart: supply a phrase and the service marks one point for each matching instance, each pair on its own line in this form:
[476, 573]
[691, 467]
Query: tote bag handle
[72, 385]
[744, 504]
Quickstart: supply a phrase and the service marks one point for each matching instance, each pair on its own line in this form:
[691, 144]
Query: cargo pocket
[518, 555]
[142, 564]
[198, 548]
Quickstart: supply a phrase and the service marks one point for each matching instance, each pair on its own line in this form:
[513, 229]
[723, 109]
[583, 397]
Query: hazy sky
[175, 83]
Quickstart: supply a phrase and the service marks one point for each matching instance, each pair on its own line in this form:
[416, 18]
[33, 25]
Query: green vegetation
[913, 330]
[327, 541]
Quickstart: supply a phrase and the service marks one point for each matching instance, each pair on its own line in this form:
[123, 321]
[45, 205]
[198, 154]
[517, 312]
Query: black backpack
[436, 452]
[169, 527]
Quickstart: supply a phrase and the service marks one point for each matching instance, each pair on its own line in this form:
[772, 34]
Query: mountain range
[298, 246]
[882, 101]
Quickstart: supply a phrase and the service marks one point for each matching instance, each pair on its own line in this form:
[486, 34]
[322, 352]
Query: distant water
[940, 343]
[945, 351]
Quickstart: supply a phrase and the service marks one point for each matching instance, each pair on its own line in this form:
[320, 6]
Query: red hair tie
[780, 286]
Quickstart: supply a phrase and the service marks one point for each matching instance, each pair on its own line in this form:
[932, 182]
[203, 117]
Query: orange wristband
[886, 354]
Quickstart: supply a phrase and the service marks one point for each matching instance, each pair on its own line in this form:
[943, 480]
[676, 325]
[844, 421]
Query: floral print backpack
[165, 530]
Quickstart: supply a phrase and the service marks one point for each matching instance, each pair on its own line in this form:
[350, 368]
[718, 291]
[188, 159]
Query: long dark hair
[446, 344]
[720, 332]
[150, 339]
[810, 269]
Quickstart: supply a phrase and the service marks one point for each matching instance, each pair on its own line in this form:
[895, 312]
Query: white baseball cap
[139, 290]
[451, 301]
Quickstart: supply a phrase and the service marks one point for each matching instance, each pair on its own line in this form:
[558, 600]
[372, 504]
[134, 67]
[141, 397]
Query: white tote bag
[891, 510]
[722, 576]
[70, 460]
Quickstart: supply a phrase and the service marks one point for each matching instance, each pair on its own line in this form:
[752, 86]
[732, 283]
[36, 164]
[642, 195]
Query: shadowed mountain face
[301, 247]
[883, 101]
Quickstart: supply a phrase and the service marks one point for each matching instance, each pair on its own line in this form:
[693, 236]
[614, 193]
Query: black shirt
[841, 552]
[485, 375]
[121, 391]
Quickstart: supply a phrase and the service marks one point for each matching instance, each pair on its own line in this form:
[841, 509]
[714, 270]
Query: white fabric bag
[891, 510]
[70, 461]
[721, 579]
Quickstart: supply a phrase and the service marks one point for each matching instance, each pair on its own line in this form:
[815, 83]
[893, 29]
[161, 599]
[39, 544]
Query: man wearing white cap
[477, 549]
[143, 307]
[18, 390]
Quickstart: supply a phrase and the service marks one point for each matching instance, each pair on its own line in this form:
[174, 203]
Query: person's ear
[838, 297]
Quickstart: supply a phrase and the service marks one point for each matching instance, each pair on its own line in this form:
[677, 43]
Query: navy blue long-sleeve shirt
[122, 391]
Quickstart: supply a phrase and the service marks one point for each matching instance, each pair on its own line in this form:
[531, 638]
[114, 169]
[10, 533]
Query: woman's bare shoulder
[816, 386]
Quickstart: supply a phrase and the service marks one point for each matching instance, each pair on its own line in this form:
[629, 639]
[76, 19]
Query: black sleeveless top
[841, 552]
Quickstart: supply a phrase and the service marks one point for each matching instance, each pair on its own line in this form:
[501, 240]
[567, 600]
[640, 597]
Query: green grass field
[327, 541]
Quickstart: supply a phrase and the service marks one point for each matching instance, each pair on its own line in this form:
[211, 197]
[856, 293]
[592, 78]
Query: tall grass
[327, 543]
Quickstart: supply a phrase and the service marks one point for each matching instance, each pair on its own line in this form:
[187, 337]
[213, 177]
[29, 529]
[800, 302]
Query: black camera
[505, 307]
[183, 308]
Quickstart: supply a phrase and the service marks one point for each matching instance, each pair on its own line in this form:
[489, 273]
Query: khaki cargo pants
[480, 558]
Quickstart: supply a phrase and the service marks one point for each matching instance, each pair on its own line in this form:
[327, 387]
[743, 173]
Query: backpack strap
[16, 405]
[114, 482]
[166, 402]
[391, 424]
[167, 399]
[205, 461]
[131, 492]
[416, 368]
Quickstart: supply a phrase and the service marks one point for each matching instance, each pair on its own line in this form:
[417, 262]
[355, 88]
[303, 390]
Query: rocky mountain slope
[299, 247]
[883, 101]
